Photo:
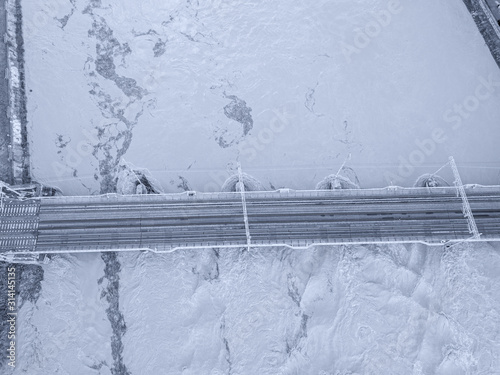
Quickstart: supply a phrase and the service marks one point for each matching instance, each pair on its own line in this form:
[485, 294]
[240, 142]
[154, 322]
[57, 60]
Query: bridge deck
[295, 218]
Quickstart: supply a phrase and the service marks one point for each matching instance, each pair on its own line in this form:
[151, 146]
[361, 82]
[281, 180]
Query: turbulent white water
[337, 310]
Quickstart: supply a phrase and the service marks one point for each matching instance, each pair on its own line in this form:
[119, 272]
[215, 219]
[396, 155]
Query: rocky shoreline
[16, 111]
[485, 27]
[14, 154]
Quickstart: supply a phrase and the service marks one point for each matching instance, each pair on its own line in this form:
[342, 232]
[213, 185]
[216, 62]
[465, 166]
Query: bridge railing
[190, 196]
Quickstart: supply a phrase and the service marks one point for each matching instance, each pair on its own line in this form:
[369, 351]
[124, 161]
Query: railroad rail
[298, 219]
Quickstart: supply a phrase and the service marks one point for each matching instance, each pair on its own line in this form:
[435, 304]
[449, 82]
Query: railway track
[163, 223]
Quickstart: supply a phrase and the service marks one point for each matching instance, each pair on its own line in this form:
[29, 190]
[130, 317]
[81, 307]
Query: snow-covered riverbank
[19, 160]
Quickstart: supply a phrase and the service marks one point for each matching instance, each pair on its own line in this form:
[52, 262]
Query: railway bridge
[298, 219]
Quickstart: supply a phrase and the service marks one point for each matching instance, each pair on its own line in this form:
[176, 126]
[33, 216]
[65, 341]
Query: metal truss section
[465, 202]
[244, 203]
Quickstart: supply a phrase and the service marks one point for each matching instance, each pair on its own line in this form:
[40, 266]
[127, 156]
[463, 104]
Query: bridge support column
[244, 203]
[465, 202]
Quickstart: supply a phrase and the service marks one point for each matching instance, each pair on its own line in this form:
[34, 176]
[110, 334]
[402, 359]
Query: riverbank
[5, 164]
[15, 151]
[485, 27]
